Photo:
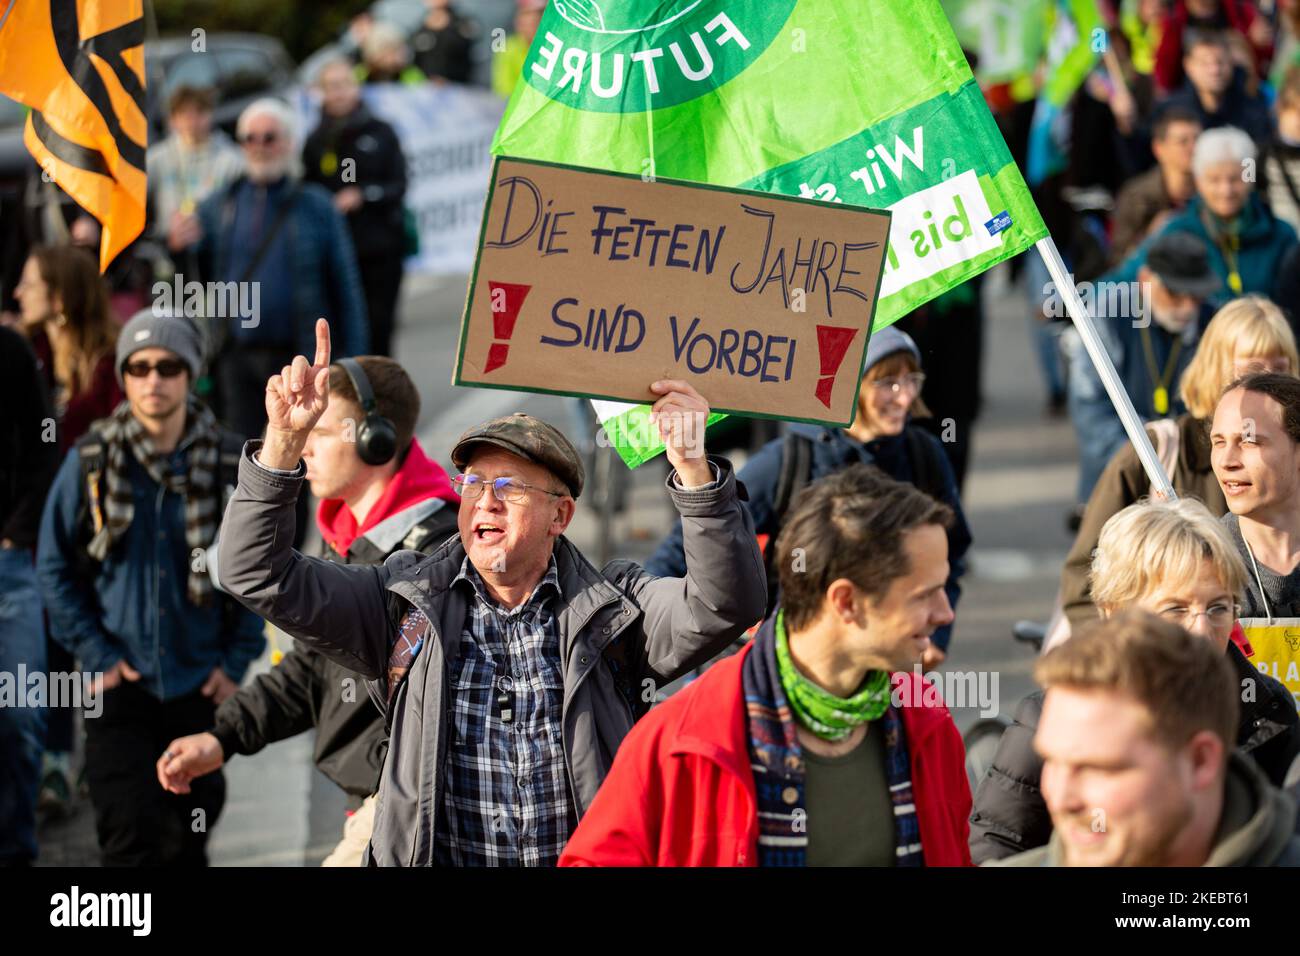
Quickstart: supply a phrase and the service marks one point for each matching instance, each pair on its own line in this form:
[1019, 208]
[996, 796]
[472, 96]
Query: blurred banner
[1006, 36]
[446, 134]
[80, 67]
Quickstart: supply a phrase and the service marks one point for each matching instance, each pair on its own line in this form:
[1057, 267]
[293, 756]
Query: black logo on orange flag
[79, 65]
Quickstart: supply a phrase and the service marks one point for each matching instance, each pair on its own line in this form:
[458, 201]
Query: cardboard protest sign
[596, 284]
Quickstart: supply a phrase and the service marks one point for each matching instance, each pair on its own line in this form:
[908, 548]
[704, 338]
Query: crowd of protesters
[486, 695]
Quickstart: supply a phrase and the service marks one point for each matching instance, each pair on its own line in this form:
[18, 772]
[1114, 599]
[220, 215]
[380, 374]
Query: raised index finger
[322, 343]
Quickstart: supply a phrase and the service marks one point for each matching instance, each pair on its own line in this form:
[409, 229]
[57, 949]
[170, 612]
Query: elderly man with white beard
[284, 236]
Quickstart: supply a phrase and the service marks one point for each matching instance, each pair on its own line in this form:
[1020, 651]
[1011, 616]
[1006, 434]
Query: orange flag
[79, 65]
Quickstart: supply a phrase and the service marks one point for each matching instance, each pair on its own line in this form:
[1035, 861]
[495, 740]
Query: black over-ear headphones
[376, 436]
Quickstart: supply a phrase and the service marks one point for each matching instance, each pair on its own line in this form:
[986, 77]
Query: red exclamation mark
[832, 345]
[507, 299]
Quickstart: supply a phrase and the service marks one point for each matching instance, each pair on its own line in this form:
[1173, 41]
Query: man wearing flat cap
[508, 667]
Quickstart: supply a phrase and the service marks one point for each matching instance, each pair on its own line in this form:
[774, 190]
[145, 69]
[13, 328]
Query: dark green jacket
[1257, 827]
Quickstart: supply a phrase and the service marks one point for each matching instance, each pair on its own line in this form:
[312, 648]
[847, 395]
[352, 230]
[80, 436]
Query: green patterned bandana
[828, 716]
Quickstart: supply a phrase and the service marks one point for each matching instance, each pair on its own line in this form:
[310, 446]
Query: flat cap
[530, 438]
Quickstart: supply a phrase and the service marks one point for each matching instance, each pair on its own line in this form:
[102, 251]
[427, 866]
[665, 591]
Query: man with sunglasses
[510, 668]
[270, 233]
[122, 561]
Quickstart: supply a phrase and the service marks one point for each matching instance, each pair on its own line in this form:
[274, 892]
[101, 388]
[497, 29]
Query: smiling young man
[1255, 452]
[1136, 736]
[803, 750]
[510, 668]
[131, 515]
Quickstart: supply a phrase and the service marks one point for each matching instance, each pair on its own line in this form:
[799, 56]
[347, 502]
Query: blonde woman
[1176, 560]
[1249, 334]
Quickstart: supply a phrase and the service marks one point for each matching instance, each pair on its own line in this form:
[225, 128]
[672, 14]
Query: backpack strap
[796, 473]
[428, 534]
[92, 454]
[1286, 177]
[927, 473]
[230, 448]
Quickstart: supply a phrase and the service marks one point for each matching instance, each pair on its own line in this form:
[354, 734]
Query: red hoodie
[681, 791]
[418, 479]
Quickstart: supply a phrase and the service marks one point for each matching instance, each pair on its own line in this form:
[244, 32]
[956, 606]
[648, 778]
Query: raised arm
[690, 619]
[338, 609]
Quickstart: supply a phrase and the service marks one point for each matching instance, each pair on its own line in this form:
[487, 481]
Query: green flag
[1007, 36]
[868, 102]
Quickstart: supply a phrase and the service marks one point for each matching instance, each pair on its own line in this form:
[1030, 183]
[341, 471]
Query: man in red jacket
[809, 747]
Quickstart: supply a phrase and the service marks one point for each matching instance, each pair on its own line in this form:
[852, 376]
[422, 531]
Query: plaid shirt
[505, 787]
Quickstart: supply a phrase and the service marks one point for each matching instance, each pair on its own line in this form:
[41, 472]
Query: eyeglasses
[1219, 615]
[505, 488]
[167, 368]
[266, 139]
[896, 383]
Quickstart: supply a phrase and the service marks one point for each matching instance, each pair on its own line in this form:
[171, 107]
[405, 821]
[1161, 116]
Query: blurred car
[15, 161]
[241, 67]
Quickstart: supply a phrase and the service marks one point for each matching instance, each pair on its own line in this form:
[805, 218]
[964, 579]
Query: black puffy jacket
[378, 169]
[1009, 815]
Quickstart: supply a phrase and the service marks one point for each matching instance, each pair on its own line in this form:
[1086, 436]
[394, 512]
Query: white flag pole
[1105, 368]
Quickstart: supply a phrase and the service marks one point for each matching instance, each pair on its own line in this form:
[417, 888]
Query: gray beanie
[889, 341]
[166, 331]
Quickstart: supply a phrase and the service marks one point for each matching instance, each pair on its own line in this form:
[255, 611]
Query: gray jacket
[620, 621]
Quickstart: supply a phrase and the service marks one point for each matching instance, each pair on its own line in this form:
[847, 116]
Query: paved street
[281, 811]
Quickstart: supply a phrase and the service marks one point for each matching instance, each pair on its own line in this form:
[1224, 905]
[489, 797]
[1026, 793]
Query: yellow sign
[1277, 649]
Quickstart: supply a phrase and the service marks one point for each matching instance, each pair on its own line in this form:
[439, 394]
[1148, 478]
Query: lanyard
[1228, 243]
[190, 178]
[1259, 581]
[1160, 398]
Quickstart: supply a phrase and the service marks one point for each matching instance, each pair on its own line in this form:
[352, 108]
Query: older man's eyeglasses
[505, 488]
[256, 139]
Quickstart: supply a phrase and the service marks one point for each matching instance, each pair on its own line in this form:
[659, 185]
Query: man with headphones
[379, 493]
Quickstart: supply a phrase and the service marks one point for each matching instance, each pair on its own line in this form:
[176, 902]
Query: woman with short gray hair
[1247, 242]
